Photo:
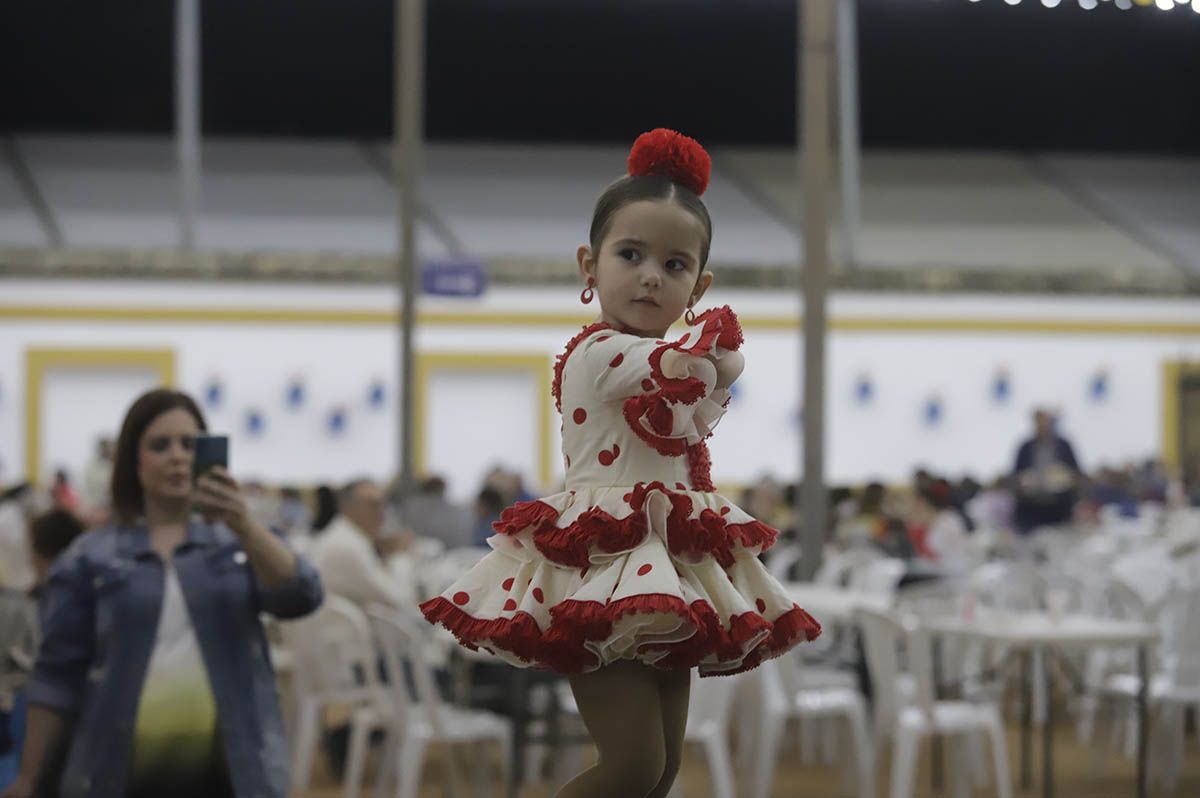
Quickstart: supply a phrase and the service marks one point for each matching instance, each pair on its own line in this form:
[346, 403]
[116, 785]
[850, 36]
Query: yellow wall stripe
[209, 315]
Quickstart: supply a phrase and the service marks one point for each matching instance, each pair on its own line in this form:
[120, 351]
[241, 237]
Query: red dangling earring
[690, 316]
[588, 293]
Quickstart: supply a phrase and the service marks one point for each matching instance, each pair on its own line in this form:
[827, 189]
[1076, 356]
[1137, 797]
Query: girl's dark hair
[128, 499]
[631, 189]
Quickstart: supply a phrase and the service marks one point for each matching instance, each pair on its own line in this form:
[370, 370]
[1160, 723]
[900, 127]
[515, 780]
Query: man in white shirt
[354, 557]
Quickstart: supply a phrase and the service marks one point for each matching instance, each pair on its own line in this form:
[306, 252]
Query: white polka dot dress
[639, 558]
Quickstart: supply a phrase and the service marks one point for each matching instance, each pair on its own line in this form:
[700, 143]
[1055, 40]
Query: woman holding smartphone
[153, 672]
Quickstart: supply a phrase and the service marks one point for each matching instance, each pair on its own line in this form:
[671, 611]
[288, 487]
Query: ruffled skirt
[581, 579]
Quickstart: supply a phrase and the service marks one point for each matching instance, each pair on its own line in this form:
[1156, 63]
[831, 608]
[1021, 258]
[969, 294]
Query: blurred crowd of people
[360, 536]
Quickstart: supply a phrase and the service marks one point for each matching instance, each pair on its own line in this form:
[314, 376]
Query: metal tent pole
[816, 21]
[187, 116]
[408, 131]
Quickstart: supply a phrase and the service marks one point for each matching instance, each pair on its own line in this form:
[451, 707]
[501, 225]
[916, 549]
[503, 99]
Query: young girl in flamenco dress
[639, 571]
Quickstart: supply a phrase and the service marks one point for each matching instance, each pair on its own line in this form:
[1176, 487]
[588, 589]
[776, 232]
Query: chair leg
[1040, 692]
[356, 758]
[766, 753]
[863, 752]
[307, 728]
[1000, 758]
[387, 764]
[829, 732]
[960, 765]
[808, 730]
[720, 765]
[977, 757]
[904, 762]
[408, 765]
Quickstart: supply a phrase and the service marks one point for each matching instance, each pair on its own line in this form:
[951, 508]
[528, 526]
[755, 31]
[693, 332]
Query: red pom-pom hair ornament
[665, 153]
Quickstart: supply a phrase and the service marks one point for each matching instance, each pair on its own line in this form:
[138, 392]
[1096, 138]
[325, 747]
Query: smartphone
[209, 451]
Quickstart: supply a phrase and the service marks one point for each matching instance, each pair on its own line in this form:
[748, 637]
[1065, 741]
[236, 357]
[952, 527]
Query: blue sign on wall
[453, 278]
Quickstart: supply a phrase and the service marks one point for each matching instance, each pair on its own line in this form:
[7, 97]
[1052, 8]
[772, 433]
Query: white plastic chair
[709, 708]
[913, 719]
[780, 560]
[783, 696]
[1174, 683]
[333, 663]
[420, 717]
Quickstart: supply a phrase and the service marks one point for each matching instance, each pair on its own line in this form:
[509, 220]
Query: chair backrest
[1180, 650]
[410, 680]
[1006, 586]
[710, 702]
[883, 636]
[1148, 571]
[780, 560]
[332, 652]
[836, 566]
[879, 575]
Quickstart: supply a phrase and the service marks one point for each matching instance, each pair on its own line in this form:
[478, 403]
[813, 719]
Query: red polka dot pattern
[510, 605]
[507, 583]
[647, 385]
[684, 338]
[645, 569]
[538, 595]
[603, 338]
[762, 605]
[724, 511]
[580, 415]
[461, 598]
[680, 486]
[607, 458]
[616, 361]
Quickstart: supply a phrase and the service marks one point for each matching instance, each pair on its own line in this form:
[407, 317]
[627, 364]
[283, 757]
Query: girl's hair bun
[666, 153]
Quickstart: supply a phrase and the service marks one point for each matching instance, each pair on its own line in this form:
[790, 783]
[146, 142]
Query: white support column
[849, 138]
[408, 124]
[816, 21]
[187, 116]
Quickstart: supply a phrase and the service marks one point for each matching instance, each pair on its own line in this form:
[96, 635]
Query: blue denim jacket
[99, 623]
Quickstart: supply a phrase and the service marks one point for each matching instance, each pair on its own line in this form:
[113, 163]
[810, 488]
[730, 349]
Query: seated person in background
[944, 539]
[356, 559]
[431, 515]
[868, 524]
[16, 569]
[488, 506]
[50, 535]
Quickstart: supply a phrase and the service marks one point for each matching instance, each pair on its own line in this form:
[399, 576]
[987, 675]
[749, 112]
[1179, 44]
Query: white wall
[911, 347]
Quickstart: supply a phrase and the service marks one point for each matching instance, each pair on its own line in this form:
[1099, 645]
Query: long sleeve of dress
[668, 412]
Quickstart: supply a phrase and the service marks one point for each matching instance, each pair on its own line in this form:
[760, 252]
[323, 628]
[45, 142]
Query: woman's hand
[219, 498]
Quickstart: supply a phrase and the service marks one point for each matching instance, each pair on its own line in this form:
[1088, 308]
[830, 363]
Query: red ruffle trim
[709, 534]
[573, 623]
[700, 467]
[523, 515]
[793, 627]
[637, 407]
[561, 361]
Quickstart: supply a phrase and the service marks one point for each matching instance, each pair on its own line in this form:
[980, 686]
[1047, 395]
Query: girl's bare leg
[621, 707]
[674, 689]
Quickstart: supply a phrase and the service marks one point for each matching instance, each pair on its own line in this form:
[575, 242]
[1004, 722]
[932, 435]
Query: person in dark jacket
[1046, 477]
